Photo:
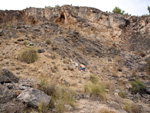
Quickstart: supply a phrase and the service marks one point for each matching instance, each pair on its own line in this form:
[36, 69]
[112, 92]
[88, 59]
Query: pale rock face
[34, 97]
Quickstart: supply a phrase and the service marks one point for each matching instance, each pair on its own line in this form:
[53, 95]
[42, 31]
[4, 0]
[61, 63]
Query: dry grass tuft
[60, 96]
[122, 94]
[28, 55]
[96, 90]
[94, 79]
[132, 108]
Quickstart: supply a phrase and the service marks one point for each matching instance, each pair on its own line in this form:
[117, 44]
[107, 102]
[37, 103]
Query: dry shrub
[94, 79]
[96, 90]
[132, 108]
[122, 94]
[28, 55]
[60, 96]
[110, 85]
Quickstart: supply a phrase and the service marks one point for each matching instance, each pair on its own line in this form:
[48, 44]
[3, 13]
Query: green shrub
[118, 10]
[137, 86]
[28, 55]
[96, 90]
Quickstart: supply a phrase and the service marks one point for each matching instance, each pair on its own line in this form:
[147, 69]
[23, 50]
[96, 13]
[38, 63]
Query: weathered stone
[1, 33]
[5, 94]
[41, 50]
[34, 97]
[114, 105]
[8, 76]
[68, 107]
[147, 87]
[12, 107]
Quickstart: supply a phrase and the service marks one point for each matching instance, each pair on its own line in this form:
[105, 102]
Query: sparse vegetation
[28, 55]
[122, 94]
[127, 107]
[25, 43]
[137, 86]
[134, 73]
[104, 110]
[109, 85]
[94, 79]
[60, 97]
[148, 67]
[43, 82]
[131, 108]
[54, 69]
[118, 10]
[96, 90]
[40, 107]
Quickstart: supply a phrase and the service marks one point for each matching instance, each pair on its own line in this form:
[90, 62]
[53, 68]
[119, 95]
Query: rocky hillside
[113, 47]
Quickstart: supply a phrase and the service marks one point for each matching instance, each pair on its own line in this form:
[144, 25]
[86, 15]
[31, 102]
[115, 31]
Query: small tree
[148, 8]
[118, 10]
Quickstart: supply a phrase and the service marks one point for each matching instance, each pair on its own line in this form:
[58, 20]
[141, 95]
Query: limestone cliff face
[88, 30]
[111, 24]
[107, 24]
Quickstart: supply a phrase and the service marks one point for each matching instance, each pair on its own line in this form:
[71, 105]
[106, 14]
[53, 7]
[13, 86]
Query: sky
[133, 7]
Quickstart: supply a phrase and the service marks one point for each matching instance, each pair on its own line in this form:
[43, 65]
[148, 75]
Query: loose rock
[7, 76]
[34, 97]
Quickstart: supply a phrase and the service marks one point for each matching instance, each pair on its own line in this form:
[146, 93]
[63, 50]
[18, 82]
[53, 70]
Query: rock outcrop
[113, 47]
[14, 93]
[34, 97]
[8, 77]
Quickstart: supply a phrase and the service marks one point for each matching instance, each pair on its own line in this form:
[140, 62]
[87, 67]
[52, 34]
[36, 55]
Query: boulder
[34, 97]
[7, 76]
